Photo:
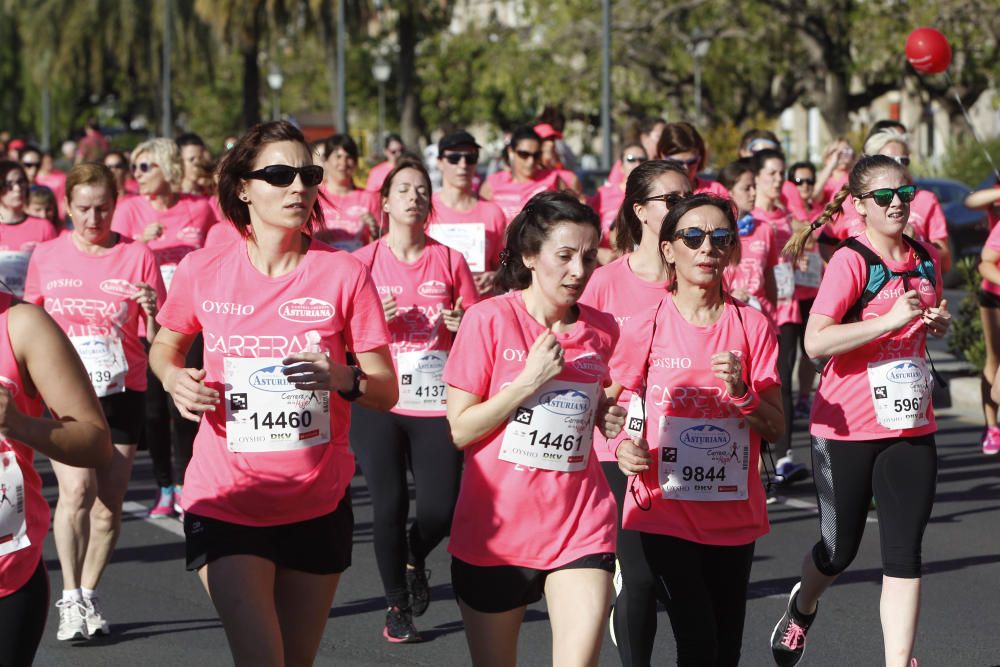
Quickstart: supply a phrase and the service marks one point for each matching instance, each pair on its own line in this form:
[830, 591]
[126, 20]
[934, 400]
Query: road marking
[140, 511]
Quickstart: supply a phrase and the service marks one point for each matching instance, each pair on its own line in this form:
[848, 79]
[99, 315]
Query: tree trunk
[251, 72]
[832, 103]
[326, 36]
[410, 121]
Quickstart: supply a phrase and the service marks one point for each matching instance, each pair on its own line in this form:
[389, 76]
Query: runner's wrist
[748, 403]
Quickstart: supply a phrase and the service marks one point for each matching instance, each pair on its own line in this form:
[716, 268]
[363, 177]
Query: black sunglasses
[525, 155]
[31, 165]
[116, 165]
[142, 166]
[635, 158]
[902, 160]
[694, 237]
[691, 161]
[803, 181]
[283, 175]
[455, 158]
[883, 196]
[670, 199]
[18, 183]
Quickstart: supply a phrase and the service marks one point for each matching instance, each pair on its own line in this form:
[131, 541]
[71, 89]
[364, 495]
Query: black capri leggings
[386, 444]
[791, 340]
[634, 619]
[169, 437]
[901, 472]
[22, 619]
[704, 588]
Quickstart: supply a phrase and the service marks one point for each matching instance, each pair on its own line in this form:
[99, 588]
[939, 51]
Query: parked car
[967, 228]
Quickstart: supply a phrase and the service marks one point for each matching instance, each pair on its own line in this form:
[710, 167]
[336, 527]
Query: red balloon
[928, 51]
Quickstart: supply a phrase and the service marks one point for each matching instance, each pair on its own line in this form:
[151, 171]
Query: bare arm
[768, 419]
[825, 337]
[983, 198]
[988, 268]
[944, 254]
[382, 391]
[79, 434]
[185, 385]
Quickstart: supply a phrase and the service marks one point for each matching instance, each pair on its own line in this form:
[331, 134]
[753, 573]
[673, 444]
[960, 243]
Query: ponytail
[793, 249]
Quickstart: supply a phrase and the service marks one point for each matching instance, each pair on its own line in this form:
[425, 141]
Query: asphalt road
[161, 616]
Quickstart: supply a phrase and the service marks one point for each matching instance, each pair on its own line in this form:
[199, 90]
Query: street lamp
[698, 49]
[275, 80]
[381, 71]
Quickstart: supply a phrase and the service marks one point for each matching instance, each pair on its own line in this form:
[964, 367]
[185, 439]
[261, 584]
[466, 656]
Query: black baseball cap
[456, 139]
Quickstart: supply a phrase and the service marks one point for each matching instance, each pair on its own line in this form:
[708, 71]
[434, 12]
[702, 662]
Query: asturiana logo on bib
[432, 288]
[270, 378]
[905, 372]
[565, 402]
[705, 436]
[118, 287]
[430, 364]
[306, 309]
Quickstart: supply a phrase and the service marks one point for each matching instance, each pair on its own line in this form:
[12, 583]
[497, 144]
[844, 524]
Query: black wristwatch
[356, 391]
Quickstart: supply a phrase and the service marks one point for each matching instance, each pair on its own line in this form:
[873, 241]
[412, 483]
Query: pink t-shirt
[17, 242]
[993, 243]
[421, 289]
[796, 206]
[328, 301]
[484, 213]
[185, 224]
[377, 176]
[342, 224]
[511, 196]
[17, 566]
[993, 212]
[222, 233]
[680, 383]
[758, 255]
[607, 202]
[616, 175]
[91, 294]
[616, 290]
[843, 408]
[832, 186]
[787, 309]
[509, 514]
[702, 187]
[926, 218]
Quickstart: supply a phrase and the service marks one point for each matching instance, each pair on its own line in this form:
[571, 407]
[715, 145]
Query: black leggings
[901, 472]
[386, 444]
[790, 339]
[704, 588]
[22, 620]
[635, 606]
[169, 437]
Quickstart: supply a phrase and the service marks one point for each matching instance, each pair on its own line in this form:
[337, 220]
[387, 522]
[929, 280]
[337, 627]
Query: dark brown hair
[681, 138]
[638, 188]
[91, 173]
[239, 161]
[406, 161]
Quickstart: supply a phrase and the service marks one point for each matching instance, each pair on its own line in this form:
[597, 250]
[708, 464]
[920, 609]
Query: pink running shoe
[991, 440]
[164, 506]
[178, 510]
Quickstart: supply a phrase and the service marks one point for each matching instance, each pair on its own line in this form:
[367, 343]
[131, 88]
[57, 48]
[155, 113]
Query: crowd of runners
[621, 374]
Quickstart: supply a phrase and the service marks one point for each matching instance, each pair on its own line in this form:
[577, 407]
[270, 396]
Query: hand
[727, 367]
[803, 263]
[633, 456]
[390, 308]
[452, 318]
[906, 308]
[938, 320]
[314, 371]
[740, 295]
[484, 282]
[191, 396]
[544, 362]
[153, 231]
[10, 416]
[611, 418]
[145, 296]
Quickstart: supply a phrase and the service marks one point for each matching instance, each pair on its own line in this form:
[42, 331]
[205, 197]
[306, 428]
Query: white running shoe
[96, 623]
[72, 620]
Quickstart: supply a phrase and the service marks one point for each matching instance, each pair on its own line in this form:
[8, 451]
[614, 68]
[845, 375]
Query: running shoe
[164, 506]
[399, 628]
[787, 471]
[788, 641]
[802, 409]
[419, 589]
[72, 620]
[991, 440]
[96, 623]
[178, 510]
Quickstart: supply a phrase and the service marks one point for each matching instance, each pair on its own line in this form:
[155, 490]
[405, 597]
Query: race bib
[813, 273]
[784, 276]
[167, 272]
[13, 271]
[467, 238]
[704, 459]
[265, 413]
[553, 429]
[420, 384]
[13, 527]
[104, 359]
[901, 392]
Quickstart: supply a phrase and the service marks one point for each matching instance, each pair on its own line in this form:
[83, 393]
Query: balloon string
[968, 119]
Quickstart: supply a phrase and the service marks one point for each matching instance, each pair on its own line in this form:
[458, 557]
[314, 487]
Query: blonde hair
[166, 155]
[879, 140]
[862, 173]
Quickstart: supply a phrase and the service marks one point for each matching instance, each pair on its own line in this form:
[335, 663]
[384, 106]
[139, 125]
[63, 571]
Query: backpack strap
[878, 274]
